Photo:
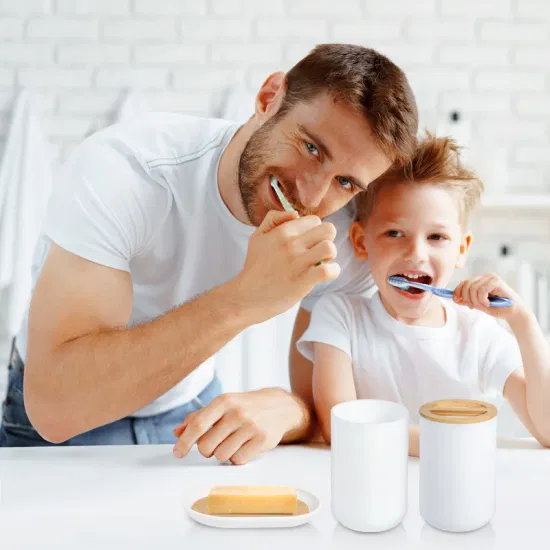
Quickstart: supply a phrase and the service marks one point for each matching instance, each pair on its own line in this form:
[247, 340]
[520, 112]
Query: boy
[411, 346]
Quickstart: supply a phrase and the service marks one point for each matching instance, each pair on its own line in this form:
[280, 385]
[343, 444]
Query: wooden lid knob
[458, 411]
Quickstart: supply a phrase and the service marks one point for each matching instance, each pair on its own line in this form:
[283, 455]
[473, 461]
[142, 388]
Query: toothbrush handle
[497, 301]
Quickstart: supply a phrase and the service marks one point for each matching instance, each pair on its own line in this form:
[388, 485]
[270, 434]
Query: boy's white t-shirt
[470, 357]
[143, 197]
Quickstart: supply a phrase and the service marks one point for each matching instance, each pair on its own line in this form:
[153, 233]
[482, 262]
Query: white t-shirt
[143, 197]
[470, 357]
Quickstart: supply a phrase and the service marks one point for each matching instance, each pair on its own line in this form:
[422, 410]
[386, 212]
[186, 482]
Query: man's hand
[281, 263]
[475, 292]
[240, 426]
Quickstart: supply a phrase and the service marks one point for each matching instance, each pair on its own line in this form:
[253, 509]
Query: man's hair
[436, 161]
[366, 80]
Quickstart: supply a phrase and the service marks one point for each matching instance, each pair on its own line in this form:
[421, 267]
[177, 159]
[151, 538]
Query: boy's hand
[475, 292]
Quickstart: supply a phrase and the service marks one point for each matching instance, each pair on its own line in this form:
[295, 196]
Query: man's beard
[255, 166]
[252, 169]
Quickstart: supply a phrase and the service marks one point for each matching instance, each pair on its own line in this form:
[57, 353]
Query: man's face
[322, 154]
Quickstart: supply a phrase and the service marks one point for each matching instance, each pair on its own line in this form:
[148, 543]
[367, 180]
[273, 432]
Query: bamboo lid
[458, 411]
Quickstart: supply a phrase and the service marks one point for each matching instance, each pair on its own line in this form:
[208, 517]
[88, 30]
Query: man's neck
[228, 172]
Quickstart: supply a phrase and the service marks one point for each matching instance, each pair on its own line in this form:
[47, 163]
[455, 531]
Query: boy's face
[414, 231]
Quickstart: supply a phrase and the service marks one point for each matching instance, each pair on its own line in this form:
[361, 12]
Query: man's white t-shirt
[143, 197]
[470, 357]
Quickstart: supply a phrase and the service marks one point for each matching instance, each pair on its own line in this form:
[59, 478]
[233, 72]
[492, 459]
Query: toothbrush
[404, 284]
[286, 205]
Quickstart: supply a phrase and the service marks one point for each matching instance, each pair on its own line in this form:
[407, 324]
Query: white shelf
[512, 201]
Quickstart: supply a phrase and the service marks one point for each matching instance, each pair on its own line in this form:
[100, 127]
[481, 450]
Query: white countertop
[132, 497]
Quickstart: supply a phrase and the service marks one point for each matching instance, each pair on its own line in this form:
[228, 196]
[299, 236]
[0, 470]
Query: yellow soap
[250, 499]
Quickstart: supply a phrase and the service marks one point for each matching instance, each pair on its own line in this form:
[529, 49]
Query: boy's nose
[416, 250]
[312, 190]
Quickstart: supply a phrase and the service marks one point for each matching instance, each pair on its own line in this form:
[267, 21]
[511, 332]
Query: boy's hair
[366, 80]
[436, 161]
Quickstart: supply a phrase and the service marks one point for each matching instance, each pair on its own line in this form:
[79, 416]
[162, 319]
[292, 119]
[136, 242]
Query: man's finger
[179, 429]
[229, 446]
[321, 232]
[248, 451]
[274, 218]
[220, 431]
[197, 426]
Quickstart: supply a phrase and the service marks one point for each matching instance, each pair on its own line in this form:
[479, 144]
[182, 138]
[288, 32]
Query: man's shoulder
[157, 139]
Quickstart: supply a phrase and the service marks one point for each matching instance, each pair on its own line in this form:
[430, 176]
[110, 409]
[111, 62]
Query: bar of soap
[249, 499]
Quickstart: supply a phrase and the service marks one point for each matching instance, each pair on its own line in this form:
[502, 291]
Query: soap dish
[308, 507]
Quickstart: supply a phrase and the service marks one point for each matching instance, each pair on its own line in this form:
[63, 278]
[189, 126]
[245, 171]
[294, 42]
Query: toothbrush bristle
[398, 282]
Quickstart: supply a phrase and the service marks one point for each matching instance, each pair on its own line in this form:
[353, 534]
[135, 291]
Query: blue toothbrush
[404, 284]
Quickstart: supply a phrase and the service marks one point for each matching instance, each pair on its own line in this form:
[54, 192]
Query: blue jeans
[17, 431]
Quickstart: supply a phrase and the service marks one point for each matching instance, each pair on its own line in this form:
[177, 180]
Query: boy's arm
[300, 374]
[332, 383]
[528, 388]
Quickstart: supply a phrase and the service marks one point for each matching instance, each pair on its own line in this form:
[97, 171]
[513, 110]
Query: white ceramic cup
[369, 456]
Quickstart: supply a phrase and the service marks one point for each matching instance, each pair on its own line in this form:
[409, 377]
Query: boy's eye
[346, 184]
[394, 233]
[312, 149]
[437, 237]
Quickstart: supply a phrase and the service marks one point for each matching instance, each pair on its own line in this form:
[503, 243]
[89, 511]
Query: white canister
[457, 464]
[369, 457]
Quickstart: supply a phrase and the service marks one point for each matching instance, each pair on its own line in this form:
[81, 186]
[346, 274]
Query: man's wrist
[296, 415]
[233, 306]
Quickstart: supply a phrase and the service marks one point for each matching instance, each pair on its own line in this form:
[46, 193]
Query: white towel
[25, 187]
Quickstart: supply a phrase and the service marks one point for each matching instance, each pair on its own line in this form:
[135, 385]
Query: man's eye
[312, 149]
[394, 233]
[346, 184]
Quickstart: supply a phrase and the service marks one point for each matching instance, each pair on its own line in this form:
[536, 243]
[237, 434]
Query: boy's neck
[434, 316]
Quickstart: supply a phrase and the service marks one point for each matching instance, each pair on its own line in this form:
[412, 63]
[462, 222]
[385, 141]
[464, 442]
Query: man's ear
[464, 247]
[270, 96]
[357, 236]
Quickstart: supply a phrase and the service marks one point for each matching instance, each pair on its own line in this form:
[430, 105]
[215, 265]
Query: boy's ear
[464, 247]
[357, 236]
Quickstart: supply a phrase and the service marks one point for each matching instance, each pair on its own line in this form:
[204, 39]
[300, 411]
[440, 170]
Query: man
[164, 240]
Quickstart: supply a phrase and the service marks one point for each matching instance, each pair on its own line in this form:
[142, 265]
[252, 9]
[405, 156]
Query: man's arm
[240, 426]
[85, 368]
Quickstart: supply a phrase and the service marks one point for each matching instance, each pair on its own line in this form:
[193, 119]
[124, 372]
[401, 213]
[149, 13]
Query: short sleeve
[331, 323]
[355, 277]
[500, 355]
[104, 206]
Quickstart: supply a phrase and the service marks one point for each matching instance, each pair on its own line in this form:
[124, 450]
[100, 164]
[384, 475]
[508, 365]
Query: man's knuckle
[330, 230]
[221, 455]
[204, 448]
[197, 425]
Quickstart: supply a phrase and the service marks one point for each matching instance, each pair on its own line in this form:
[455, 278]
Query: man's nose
[312, 190]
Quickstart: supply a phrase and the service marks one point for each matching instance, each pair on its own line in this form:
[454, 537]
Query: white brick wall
[488, 58]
